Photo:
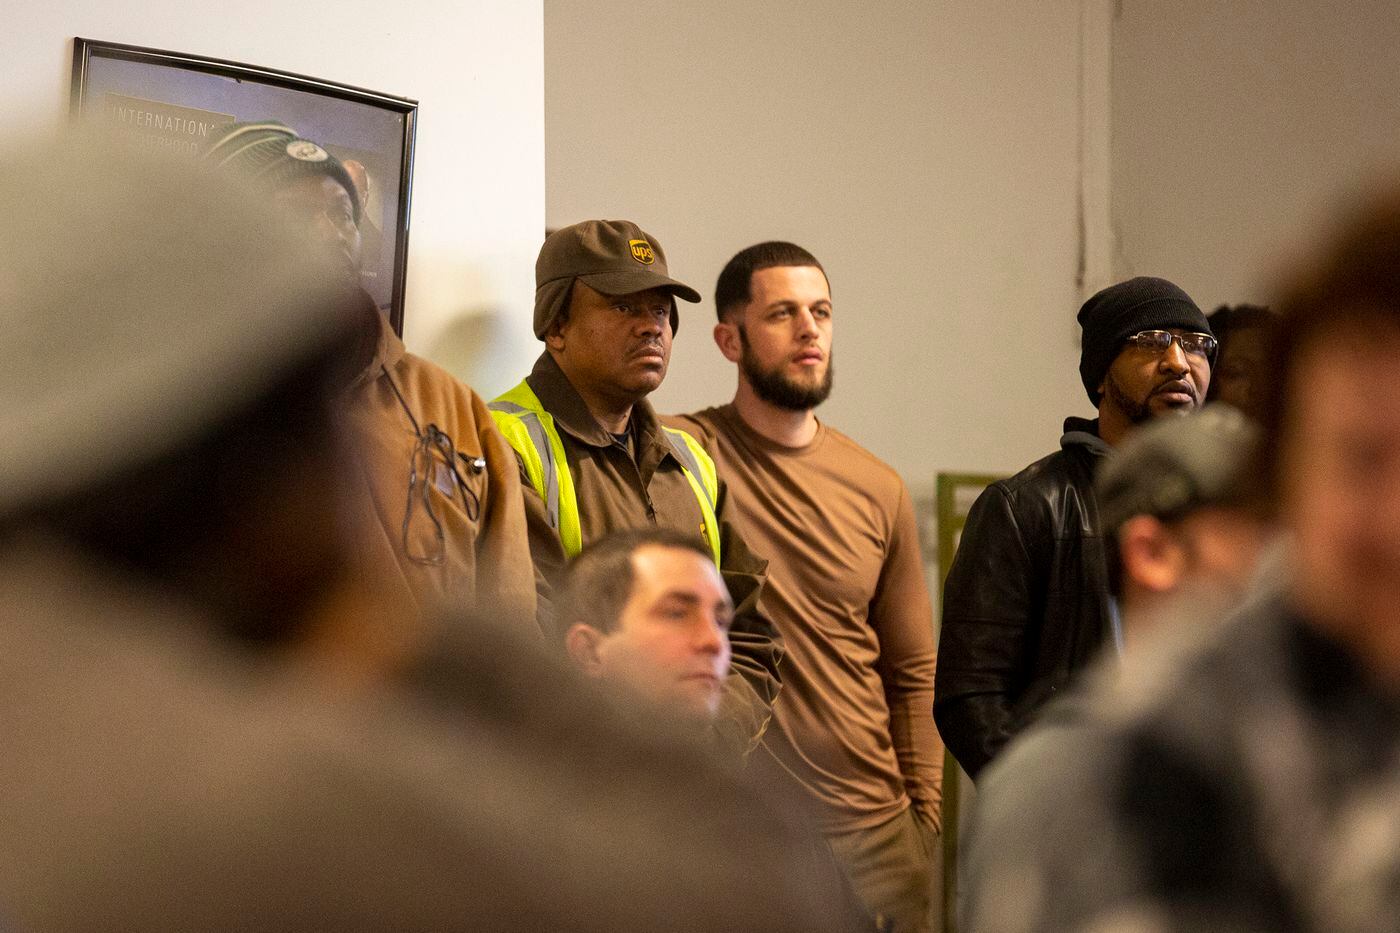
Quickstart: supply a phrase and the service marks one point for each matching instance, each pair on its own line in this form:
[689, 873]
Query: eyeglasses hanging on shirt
[435, 461]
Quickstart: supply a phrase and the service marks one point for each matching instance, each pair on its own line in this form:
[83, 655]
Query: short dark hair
[732, 290]
[1354, 286]
[1226, 322]
[599, 580]
[1227, 319]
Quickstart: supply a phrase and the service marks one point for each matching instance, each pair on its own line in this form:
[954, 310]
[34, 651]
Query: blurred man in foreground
[649, 610]
[1181, 544]
[1249, 778]
[173, 562]
[1175, 517]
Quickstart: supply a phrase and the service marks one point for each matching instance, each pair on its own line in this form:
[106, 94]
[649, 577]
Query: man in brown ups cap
[594, 458]
[435, 486]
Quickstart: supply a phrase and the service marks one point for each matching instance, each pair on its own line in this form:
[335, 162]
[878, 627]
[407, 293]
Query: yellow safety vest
[530, 431]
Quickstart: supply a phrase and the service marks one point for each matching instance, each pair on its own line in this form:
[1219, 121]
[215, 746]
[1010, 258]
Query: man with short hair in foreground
[1249, 778]
[647, 609]
[1172, 503]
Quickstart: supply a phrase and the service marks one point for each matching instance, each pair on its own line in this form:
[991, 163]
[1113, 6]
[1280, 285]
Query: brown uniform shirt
[620, 489]
[483, 558]
[846, 590]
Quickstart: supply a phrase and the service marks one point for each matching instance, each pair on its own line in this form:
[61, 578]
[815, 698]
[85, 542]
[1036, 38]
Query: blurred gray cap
[142, 299]
[1172, 466]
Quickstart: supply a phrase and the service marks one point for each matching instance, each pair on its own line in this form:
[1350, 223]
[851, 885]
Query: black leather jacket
[1025, 605]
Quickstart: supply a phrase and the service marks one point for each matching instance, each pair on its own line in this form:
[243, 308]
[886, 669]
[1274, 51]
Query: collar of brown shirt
[559, 397]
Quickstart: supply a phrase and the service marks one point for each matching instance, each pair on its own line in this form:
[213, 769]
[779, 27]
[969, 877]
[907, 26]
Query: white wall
[927, 152]
[1238, 126]
[476, 70]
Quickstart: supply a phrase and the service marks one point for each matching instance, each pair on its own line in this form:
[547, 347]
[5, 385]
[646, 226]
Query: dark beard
[1136, 412]
[776, 389]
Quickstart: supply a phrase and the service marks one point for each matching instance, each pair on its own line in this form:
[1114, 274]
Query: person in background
[853, 732]
[1247, 778]
[1243, 366]
[444, 521]
[1025, 605]
[594, 459]
[370, 198]
[647, 609]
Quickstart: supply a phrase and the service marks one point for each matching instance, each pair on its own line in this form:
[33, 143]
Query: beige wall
[1238, 126]
[927, 152]
[476, 70]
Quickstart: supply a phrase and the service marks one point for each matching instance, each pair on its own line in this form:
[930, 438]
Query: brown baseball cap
[615, 257]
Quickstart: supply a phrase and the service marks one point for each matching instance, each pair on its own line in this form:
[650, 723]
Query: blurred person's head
[1330, 459]
[314, 188]
[1242, 362]
[648, 609]
[605, 306]
[775, 321]
[167, 389]
[1146, 351]
[1173, 511]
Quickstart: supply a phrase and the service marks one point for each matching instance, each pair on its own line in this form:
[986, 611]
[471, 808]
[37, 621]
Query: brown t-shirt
[846, 589]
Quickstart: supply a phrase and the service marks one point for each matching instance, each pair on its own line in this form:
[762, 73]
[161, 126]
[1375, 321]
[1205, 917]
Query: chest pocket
[445, 490]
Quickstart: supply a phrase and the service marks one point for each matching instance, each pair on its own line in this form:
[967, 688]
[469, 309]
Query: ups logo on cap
[642, 252]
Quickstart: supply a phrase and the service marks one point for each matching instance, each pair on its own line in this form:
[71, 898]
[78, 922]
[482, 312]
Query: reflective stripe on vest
[530, 431]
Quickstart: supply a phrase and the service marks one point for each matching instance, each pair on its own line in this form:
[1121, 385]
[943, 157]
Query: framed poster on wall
[175, 102]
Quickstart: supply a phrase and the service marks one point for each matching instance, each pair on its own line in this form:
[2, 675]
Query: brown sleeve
[505, 573]
[754, 679]
[902, 616]
[546, 551]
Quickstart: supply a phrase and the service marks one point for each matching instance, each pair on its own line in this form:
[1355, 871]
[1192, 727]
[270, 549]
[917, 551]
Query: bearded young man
[852, 731]
[1026, 604]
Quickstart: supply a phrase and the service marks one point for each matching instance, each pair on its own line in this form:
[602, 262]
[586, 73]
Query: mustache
[1176, 385]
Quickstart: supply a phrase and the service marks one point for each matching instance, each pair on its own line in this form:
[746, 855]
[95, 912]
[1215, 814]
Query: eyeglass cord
[433, 440]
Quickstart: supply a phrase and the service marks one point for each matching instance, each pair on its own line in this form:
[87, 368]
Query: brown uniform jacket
[454, 540]
[617, 491]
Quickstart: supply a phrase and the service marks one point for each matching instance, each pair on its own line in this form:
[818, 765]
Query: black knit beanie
[1119, 311]
[272, 154]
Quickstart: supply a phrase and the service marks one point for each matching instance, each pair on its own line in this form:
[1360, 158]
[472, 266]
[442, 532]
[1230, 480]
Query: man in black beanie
[1026, 603]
